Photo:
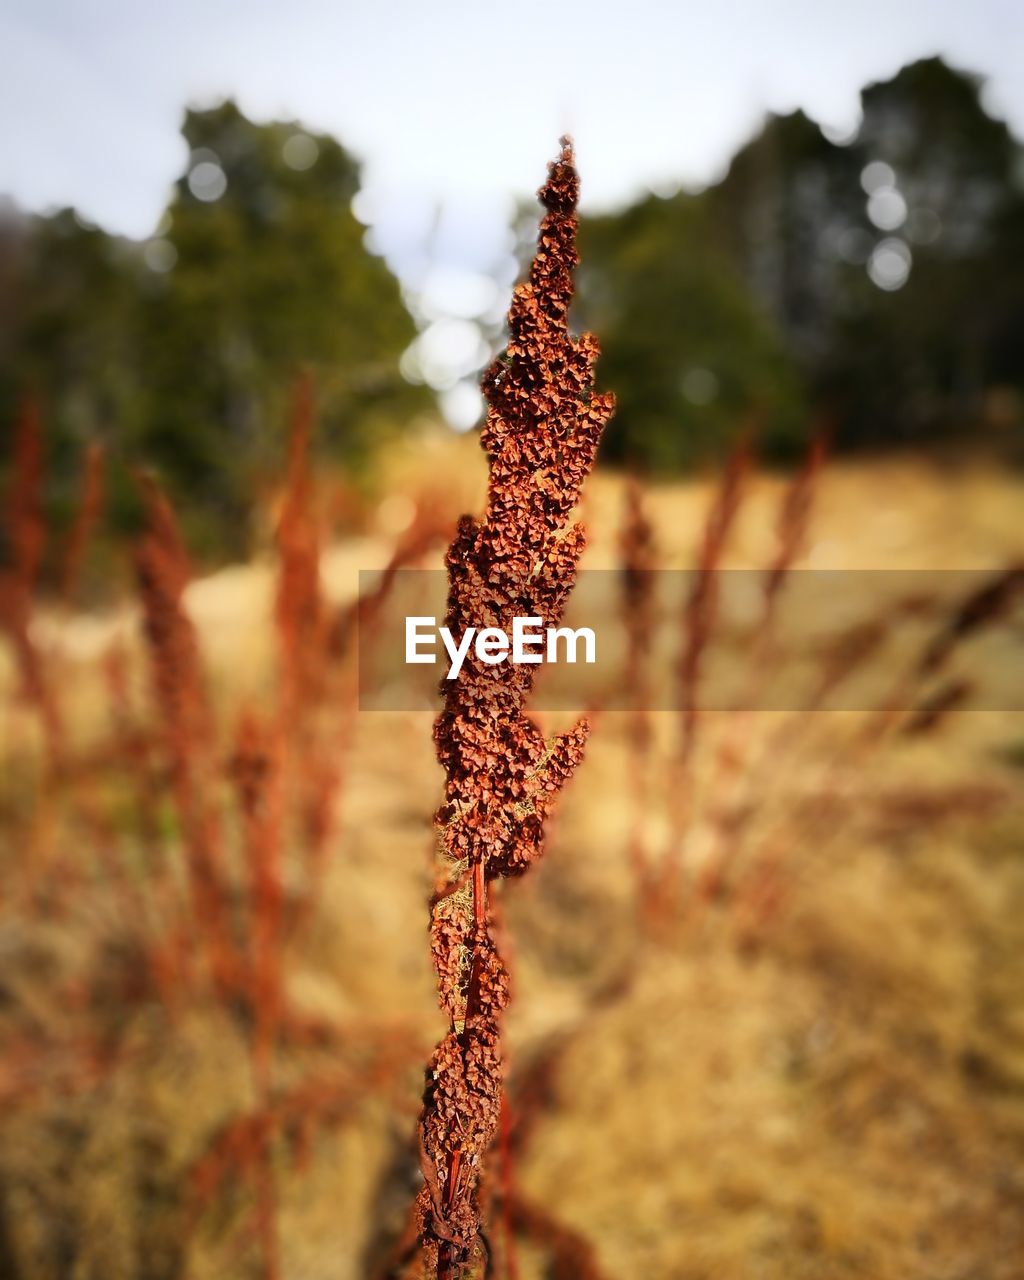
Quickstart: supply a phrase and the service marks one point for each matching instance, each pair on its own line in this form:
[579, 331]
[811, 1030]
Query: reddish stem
[445, 1262]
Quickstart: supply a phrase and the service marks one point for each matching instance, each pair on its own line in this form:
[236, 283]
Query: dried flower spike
[519, 560]
[180, 694]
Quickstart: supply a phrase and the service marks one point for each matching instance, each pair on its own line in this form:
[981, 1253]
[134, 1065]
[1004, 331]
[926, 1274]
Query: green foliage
[688, 352]
[182, 352]
[916, 363]
[767, 283]
[756, 302]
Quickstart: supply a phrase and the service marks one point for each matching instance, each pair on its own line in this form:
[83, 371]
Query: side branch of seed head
[519, 559]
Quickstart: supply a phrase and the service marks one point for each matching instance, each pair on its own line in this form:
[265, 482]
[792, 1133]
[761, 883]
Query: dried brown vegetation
[220, 863]
[502, 776]
[26, 540]
[800, 1057]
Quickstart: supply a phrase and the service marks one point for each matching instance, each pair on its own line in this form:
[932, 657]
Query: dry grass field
[817, 1072]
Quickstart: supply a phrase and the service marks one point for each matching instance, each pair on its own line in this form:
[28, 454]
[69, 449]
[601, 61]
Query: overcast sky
[454, 104]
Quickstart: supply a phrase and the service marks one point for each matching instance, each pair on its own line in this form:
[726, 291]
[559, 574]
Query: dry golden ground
[838, 1092]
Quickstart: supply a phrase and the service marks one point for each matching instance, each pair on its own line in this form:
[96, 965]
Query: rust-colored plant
[256, 771]
[502, 775]
[793, 522]
[25, 535]
[186, 719]
[639, 561]
[312, 757]
[284, 767]
[87, 515]
[700, 611]
[735, 775]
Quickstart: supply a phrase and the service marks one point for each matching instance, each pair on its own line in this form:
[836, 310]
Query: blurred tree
[879, 283]
[181, 351]
[915, 355]
[790, 215]
[689, 353]
[69, 331]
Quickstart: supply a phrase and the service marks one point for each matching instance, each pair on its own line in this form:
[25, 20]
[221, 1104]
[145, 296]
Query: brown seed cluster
[519, 560]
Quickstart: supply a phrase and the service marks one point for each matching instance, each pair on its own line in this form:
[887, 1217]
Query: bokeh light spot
[887, 209]
[462, 406]
[445, 352]
[877, 174]
[889, 264]
[207, 181]
[300, 152]
[160, 256]
[699, 386]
